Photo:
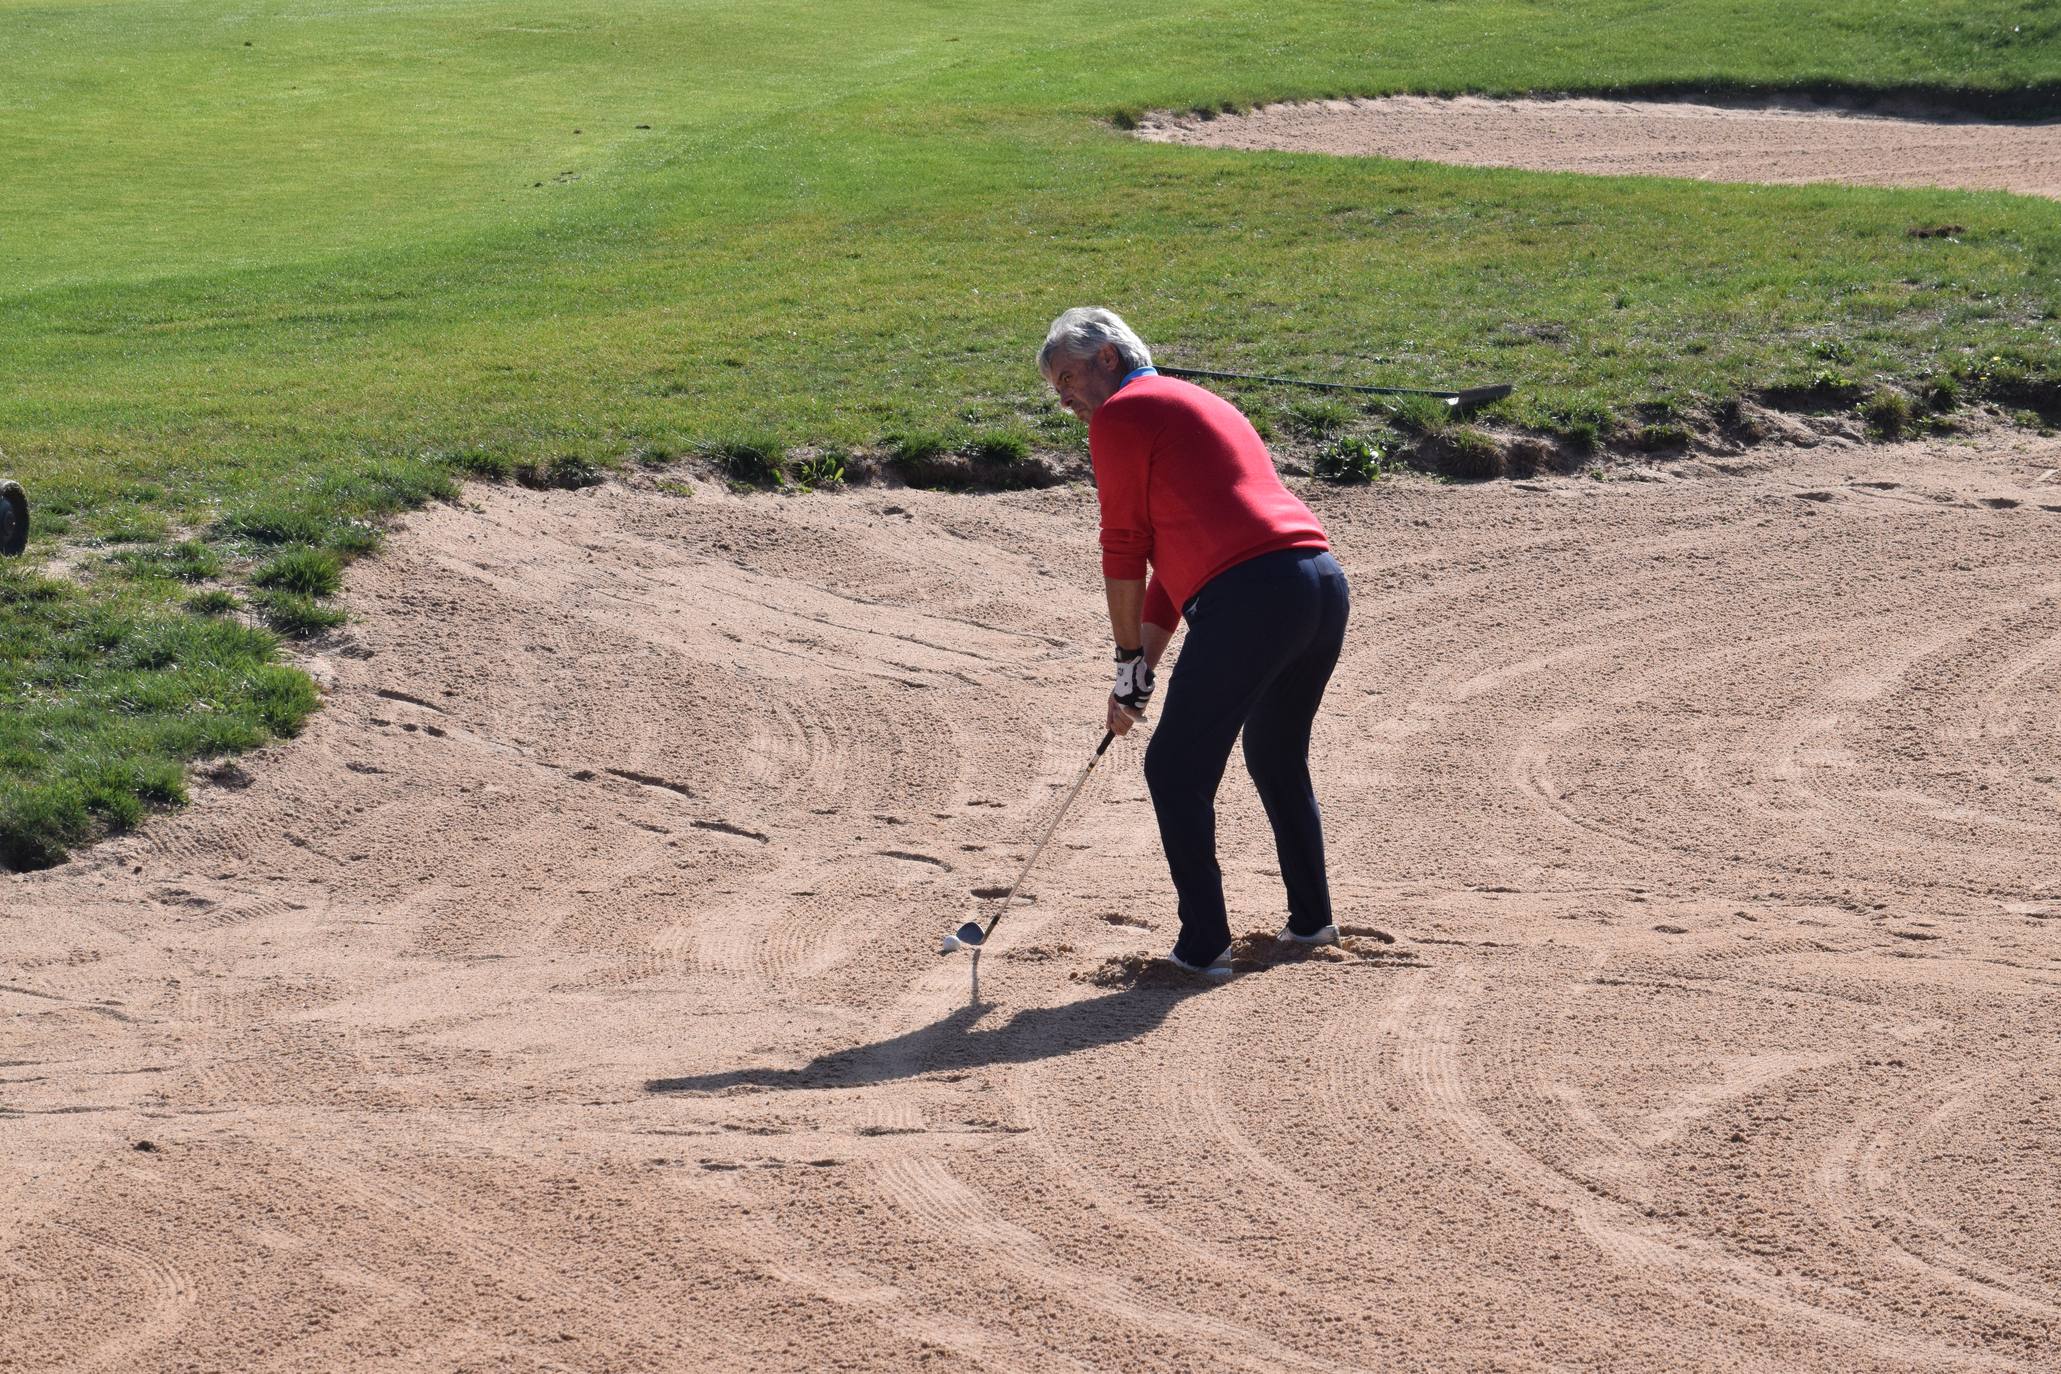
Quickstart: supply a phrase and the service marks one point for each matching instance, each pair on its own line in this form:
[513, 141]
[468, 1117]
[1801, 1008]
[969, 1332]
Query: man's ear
[1108, 359]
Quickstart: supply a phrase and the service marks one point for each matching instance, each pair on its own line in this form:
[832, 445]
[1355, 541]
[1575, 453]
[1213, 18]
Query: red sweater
[1186, 484]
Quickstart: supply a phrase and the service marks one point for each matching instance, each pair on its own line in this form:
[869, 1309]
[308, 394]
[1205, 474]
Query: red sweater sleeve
[1160, 609]
[1121, 454]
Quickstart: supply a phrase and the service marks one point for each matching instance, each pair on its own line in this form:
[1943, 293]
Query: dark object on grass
[14, 519]
[1934, 231]
[1465, 396]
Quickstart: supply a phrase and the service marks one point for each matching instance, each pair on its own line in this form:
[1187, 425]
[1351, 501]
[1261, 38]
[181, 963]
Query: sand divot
[1797, 144]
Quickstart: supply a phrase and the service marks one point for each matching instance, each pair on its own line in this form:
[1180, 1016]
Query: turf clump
[757, 460]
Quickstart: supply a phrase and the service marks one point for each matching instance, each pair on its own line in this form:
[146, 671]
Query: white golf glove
[1133, 679]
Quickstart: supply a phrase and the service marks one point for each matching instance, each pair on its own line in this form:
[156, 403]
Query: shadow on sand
[959, 1041]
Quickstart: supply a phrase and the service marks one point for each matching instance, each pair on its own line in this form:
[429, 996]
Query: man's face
[1083, 384]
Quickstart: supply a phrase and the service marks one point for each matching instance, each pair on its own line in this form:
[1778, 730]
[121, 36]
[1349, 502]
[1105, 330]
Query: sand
[566, 998]
[1649, 138]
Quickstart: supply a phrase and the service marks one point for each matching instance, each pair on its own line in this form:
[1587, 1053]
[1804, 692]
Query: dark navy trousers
[1263, 637]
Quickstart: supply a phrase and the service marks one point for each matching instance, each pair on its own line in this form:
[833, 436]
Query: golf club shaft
[1078, 783]
[1464, 396]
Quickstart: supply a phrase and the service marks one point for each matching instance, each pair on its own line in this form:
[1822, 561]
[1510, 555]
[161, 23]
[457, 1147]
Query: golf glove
[1133, 679]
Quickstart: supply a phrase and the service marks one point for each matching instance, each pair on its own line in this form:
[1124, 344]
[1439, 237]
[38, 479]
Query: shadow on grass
[959, 1041]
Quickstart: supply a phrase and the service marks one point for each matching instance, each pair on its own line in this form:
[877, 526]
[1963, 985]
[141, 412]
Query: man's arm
[1157, 637]
[1126, 596]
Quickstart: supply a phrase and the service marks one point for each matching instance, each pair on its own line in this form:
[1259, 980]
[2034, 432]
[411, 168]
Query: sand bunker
[565, 997]
[1649, 138]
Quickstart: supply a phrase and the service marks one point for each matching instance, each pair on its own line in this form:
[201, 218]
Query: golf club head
[968, 936]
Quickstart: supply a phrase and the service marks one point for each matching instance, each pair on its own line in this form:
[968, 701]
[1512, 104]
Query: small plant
[214, 601]
[814, 470]
[1351, 460]
[1831, 351]
[309, 572]
[756, 460]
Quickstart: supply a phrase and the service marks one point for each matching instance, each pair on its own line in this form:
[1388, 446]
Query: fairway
[555, 580]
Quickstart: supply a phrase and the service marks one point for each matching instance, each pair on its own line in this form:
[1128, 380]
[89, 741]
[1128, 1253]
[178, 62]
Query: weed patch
[1351, 460]
[815, 471]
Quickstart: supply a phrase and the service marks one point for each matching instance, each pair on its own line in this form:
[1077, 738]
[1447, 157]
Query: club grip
[1103, 748]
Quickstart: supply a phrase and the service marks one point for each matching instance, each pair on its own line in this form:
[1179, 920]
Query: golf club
[1459, 400]
[14, 519]
[973, 935]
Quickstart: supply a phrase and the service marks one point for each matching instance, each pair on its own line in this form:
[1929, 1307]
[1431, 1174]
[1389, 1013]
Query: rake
[1458, 400]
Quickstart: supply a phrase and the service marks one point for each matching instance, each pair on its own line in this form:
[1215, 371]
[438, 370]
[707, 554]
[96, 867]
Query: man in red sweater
[1190, 495]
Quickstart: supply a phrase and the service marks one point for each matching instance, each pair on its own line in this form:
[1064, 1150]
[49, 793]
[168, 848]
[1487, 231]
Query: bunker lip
[1788, 142]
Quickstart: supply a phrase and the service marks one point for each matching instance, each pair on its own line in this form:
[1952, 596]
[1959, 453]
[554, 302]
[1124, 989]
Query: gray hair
[1081, 332]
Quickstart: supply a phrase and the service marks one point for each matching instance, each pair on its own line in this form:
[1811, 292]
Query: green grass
[280, 269]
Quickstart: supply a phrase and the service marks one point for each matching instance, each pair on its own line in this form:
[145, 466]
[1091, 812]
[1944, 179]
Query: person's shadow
[958, 1041]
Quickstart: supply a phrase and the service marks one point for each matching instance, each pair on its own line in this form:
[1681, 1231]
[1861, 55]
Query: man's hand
[1133, 690]
[1133, 679]
[1122, 718]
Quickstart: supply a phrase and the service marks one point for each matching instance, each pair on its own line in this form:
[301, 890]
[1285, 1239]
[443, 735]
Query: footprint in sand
[910, 856]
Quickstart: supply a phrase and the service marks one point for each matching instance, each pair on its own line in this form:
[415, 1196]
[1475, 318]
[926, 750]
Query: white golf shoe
[1327, 936]
[1219, 967]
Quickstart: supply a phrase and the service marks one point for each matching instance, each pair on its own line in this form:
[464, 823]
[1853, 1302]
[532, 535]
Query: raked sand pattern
[565, 997]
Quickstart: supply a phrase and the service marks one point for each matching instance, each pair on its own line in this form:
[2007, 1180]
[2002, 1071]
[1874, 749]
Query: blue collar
[1135, 373]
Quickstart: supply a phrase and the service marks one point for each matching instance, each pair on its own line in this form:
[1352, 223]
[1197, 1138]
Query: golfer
[1189, 493]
